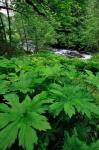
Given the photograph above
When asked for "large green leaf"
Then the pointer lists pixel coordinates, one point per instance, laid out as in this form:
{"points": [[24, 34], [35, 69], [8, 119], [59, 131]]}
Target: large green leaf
{"points": [[4, 86], [27, 137], [8, 135], [74, 143], [72, 98], [20, 119], [92, 79]]}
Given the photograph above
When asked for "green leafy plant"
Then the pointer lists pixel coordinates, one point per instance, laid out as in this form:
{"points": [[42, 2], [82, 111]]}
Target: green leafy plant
{"points": [[74, 143], [26, 81], [72, 98], [22, 120], [45, 86], [92, 79]]}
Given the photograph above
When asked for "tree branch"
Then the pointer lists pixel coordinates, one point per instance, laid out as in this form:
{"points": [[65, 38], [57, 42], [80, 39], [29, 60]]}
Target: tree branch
{"points": [[29, 2], [4, 7]]}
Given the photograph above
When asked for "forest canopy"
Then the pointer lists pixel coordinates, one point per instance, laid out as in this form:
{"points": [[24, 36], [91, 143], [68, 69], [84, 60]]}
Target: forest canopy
{"points": [[70, 24]]}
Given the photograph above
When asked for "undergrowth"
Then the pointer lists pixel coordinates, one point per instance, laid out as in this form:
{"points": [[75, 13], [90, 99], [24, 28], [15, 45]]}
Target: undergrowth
{"points": [[49, 102]]}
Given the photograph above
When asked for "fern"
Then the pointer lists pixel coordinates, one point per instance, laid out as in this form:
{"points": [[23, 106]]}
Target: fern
{"points": [[22, 120], [71, 98]]}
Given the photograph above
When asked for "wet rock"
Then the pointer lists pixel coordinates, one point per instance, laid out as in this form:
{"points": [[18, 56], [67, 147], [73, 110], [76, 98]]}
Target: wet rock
{"points": [[72, 53], [27, 46]]}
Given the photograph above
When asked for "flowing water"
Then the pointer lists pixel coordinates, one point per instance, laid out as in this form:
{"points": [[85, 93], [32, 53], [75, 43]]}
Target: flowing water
{"points": [[72, 53]]}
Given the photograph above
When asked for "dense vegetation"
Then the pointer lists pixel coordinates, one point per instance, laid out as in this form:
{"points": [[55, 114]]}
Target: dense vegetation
{"points": [[71, 24], [49, 101]]}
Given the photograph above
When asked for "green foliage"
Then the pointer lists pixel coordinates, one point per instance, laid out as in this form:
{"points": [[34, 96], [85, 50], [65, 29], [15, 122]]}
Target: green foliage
{"points": [[73, 143], [42, 33], [91, 31], [52, 93], [24, 117], [92, 79], [73, 24], [70, 99], [38, 30]]}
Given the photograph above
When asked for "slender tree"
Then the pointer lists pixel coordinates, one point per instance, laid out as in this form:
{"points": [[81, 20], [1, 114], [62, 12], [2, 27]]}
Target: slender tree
{"points": [[9, 21]]}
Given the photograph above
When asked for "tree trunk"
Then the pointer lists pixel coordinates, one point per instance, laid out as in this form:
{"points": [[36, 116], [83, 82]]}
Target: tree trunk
{"points": [[9, 22]]}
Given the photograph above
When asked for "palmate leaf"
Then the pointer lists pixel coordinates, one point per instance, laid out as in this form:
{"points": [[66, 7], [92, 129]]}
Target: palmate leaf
{"points": [[54, 70], [56, 108], [72, 99], [21, 120], [70, 109], [5, 63], [25, 82], [94, 146], [12, 99], [92, 79], [21, 63], [74, 143], [40, 122], [39, 99], [4, 86], [27, 137], [2, 76], [8, 135]]}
